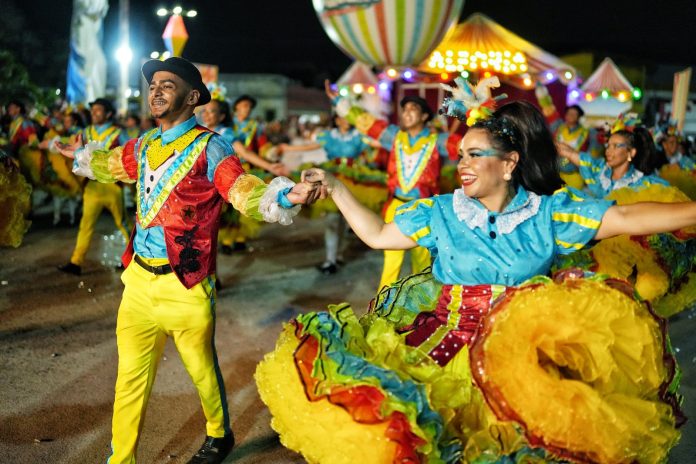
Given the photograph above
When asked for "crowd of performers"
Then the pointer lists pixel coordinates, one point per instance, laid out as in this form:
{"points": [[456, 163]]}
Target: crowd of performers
{"points": [[545, 259]]}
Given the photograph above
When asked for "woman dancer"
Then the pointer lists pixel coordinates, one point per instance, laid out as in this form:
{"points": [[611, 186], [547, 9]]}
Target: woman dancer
{"points": [[396, 386], [629, 161]]}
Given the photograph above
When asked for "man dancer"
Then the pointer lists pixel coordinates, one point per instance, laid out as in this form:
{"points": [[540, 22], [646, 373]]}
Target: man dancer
{"points": [[413, 166], [102, 133], [183, 172]]}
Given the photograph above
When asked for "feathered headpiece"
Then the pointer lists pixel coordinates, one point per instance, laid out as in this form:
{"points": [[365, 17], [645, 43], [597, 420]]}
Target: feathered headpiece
{"points": [[217, 91], [469, 103], [626, 122], [665, 130]]}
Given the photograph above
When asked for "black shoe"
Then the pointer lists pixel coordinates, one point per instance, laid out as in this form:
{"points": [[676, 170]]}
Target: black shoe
{"points": [[213, 450], [239, 246], [71, 268], [218, 285], [327, 268], [226, 249]]}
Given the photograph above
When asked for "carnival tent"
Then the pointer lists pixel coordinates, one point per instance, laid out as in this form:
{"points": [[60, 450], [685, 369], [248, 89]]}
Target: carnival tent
{"points": [[480, 45], [606, 93]]}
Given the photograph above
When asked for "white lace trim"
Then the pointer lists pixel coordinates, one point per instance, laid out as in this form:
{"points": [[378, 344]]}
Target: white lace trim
{"points": [[269, 207], [475, 215], [83, 157], [605, 180]]}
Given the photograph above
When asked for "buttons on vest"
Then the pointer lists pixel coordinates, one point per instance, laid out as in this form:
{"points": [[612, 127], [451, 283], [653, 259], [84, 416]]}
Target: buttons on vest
{"points": [[147, 190], [152, 178], [492, 234], [491, 219]]}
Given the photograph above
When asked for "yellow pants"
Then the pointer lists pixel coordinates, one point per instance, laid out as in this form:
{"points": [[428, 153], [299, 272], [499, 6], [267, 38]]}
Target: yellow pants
{"points": [[153, 308], [97, 196], [420, 257]]}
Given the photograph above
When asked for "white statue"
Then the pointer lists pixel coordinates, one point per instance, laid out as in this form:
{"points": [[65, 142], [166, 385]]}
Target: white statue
{"points": [[87, 64]]}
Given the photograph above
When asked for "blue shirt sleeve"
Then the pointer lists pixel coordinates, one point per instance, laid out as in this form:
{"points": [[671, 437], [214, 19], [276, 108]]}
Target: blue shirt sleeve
{"points": [[413, 220], [590, 167], [218, 149], [575, 218], [388, 136], [441, 144]]}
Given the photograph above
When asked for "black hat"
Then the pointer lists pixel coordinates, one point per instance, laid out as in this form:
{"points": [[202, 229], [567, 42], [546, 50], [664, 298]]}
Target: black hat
{"points": [[577, 108], [244, 97], [425, 108], [108, 106], [182, 68]]}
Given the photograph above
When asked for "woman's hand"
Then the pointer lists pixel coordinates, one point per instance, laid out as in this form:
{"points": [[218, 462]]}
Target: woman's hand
{"points": [[318, 176], [566, 151]]}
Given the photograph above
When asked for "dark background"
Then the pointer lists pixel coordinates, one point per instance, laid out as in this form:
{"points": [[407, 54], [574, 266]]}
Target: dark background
{"points": [[285, 36]]}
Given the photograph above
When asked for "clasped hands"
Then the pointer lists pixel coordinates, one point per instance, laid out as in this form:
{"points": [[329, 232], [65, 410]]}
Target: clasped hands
{"points": [[316, 184]]}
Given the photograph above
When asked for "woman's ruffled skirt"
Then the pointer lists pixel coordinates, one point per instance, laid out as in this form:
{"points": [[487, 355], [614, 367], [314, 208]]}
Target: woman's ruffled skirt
{"points": [[15, 203], [660, 266], [574, 369]]}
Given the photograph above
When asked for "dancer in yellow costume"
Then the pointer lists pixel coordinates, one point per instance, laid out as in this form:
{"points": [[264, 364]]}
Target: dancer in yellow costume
{"points": [[566, 130], [183, 173], [102, 133], [58, 177]]}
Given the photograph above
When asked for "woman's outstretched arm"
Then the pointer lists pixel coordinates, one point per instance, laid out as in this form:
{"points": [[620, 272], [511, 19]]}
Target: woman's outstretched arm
{"points": [[365, 223]]}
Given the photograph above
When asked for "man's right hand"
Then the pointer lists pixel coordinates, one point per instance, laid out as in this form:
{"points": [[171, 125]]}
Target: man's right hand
{"points": [[69, 149]]}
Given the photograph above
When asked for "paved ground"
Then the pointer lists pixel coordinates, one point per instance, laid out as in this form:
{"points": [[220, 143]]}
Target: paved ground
{"points": [[58, 350]]}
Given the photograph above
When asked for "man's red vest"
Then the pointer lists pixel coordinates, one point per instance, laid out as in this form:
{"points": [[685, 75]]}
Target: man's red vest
{"points": [[190, 219]]}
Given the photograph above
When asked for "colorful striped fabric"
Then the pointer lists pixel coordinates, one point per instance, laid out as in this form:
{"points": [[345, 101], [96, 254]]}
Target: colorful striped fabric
{"points": [[389, 32]]}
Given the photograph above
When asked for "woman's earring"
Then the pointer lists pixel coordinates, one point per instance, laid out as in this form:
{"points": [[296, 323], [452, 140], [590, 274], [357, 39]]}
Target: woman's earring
{"points": [[507, 176]]}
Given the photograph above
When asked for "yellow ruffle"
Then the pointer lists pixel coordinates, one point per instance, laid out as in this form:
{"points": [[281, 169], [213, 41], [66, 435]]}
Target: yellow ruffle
{"points": [[626, 259], [573, 179], [581, 363], [673, 303], [322, 432], [682, 179], [15, 204], [622, 257], [31, 161], [66, 183]]}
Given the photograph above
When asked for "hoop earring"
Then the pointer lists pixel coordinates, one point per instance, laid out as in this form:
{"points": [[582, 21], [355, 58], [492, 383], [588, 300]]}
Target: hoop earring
{"points": [[507, 176]]}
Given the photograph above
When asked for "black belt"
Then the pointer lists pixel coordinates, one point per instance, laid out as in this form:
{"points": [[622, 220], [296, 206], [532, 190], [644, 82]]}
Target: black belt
{"points": [[405, 200], [157, 270]]}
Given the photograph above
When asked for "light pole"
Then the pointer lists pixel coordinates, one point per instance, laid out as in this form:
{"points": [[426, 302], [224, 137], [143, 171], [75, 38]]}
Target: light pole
{"points": [[124, 55]]}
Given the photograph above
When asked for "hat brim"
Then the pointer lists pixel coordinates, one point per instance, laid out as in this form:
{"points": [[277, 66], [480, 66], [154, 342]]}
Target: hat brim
{"points": [[151, 67]]}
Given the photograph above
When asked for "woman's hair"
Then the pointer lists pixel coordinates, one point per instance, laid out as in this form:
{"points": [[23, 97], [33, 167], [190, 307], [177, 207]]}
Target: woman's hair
{"points": [[520, 127], [77, 120], [647, 158], [224, 111]]}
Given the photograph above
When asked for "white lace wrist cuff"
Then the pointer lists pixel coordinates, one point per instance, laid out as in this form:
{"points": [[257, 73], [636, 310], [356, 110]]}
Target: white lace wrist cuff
{"points": [[83, 157], [269, 207]]}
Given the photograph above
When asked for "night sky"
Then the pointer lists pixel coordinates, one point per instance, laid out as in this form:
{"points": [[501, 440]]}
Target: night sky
{"points": [[285, 36]]}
